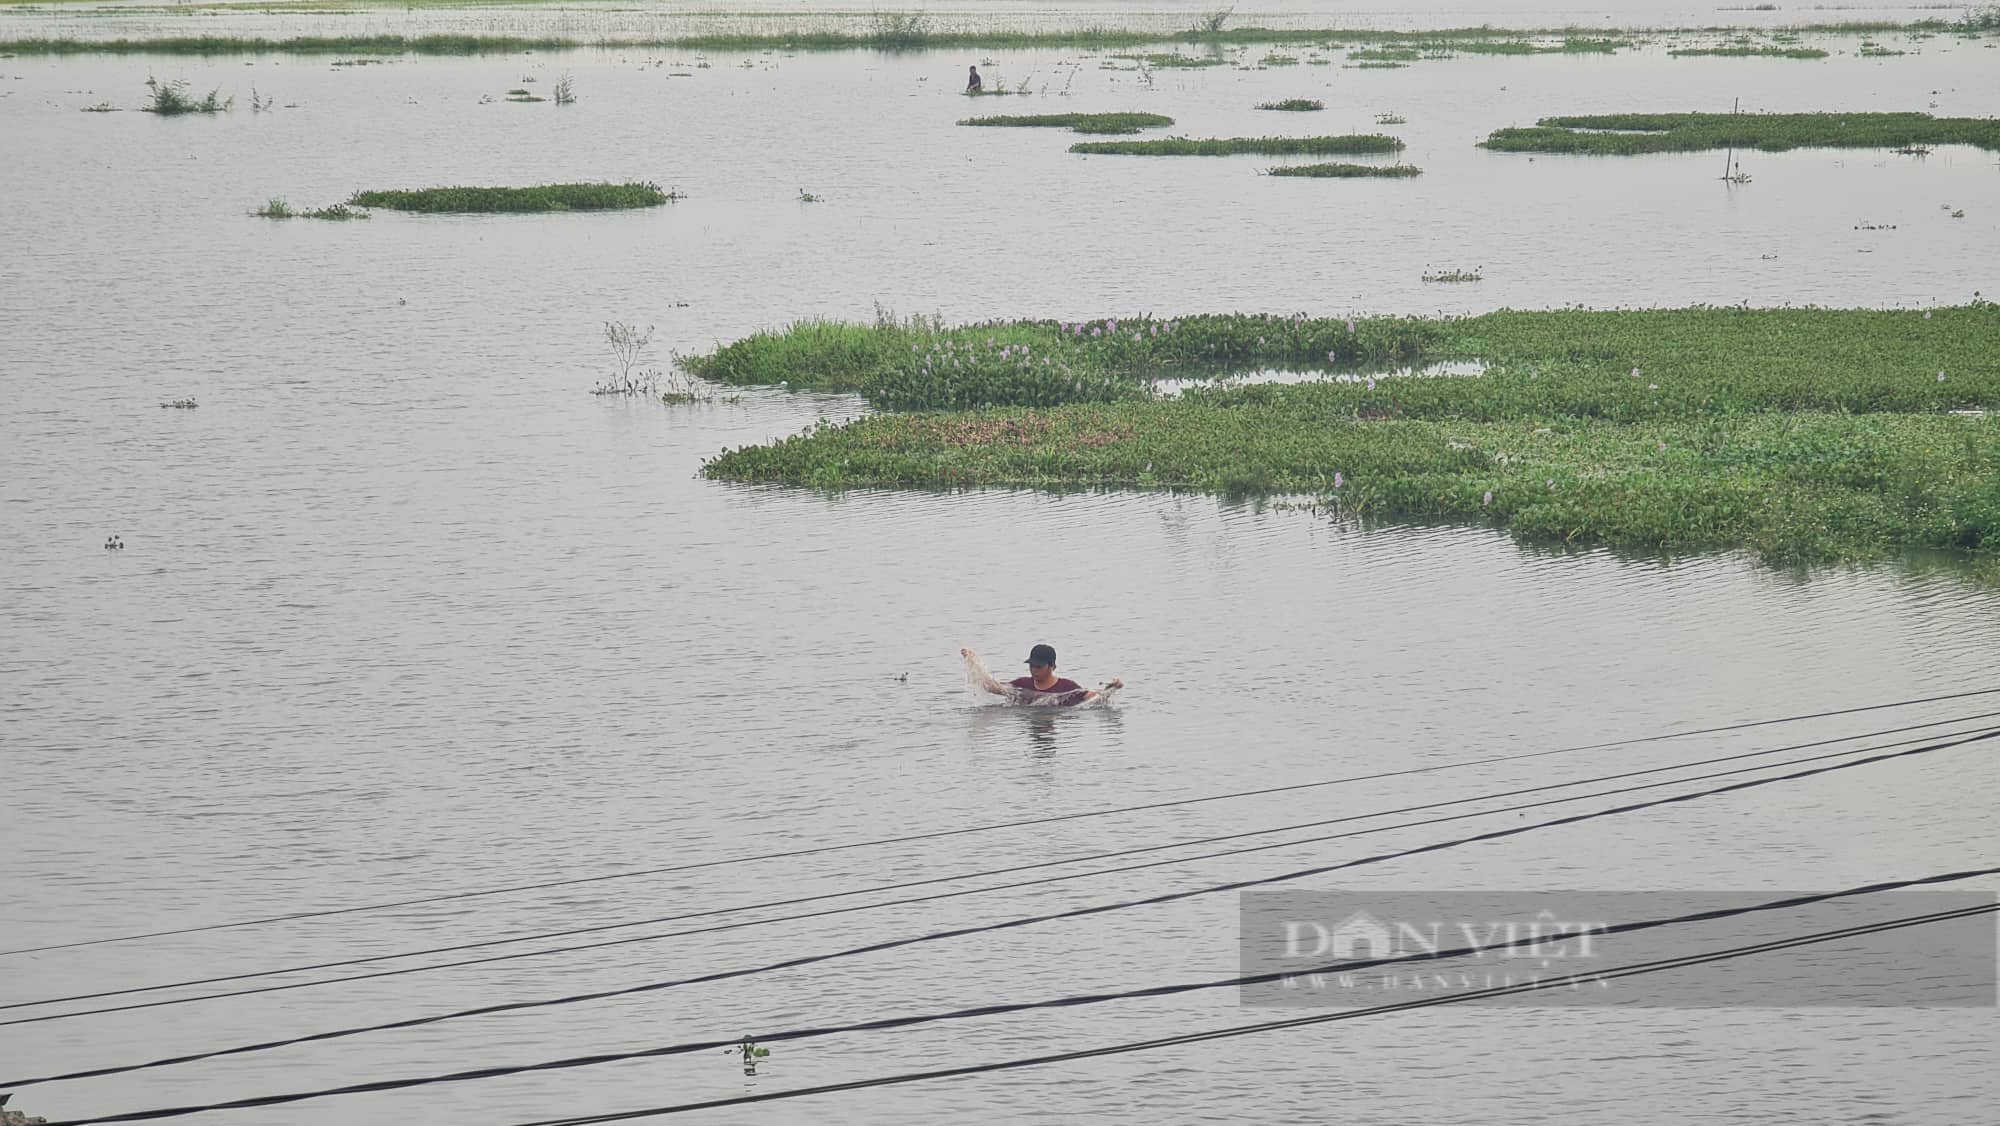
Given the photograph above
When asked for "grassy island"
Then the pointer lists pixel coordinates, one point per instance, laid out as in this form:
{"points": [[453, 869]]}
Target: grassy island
{"points": [[1800, 434], [1078, 122]]}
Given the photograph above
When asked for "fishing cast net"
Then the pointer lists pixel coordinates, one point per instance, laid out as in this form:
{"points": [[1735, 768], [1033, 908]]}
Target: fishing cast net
{"points": [[981, 679]]}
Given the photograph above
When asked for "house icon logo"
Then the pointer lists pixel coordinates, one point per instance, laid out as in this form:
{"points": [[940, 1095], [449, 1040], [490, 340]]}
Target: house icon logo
{"points": [[1362, 935]]}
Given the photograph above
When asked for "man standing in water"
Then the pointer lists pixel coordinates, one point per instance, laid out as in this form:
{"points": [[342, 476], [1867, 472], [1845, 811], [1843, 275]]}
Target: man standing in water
{"points": [[1041, 685], [972, 83]]}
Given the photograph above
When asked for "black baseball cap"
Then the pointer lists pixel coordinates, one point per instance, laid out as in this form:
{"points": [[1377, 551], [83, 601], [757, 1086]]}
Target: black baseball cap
{"points": [[1042, 655]]}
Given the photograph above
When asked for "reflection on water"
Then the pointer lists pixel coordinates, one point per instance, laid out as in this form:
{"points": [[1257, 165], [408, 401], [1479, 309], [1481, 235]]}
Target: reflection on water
{"points": [[1043, 731]]}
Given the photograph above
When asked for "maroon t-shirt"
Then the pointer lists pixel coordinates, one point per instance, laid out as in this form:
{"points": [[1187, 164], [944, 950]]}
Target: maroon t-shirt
{"points": [[1032, 695]]}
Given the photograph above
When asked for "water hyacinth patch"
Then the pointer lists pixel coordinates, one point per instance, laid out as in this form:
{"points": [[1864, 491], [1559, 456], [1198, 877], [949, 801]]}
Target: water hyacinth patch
{"points": [[1351, 144], [1794, 433], [549, 197], [1339, 171], [1626, 134]]}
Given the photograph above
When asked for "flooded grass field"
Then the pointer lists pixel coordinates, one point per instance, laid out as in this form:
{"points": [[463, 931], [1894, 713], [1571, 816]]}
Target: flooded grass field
{"points": [[388, 604]]}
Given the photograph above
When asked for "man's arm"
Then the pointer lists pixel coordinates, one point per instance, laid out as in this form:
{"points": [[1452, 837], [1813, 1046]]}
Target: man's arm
{"points": [[1110, 686]]}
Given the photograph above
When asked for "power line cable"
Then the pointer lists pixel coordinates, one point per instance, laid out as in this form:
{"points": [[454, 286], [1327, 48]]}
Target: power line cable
{"points": [[1634, 970], [962, 831], [924, 882], [935, 936], [887, 1023], [1169, 897]]}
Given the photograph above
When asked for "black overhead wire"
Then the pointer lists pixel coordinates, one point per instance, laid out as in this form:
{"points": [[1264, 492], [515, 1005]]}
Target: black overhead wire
{"points": [[941, 833], [1682, 962], [511, 1006], [1072, 1001], [876, 890], [982, 928]]}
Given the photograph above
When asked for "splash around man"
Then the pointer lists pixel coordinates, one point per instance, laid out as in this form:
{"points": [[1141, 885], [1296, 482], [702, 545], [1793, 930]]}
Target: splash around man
{"points": [[1041, 685]]}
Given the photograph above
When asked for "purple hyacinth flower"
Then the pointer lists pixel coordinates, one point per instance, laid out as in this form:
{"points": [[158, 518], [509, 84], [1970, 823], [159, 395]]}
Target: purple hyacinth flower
{"points": [[1339, 479]]}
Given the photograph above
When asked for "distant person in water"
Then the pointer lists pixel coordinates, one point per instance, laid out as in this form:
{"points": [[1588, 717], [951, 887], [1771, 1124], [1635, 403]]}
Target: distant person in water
{"points": [[972, 84], [1042, 685]]}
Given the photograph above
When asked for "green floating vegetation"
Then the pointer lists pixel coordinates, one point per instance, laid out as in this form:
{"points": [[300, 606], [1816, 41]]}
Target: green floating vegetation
{"points": [[1800, 434], [1336, 171], [1750, 52], [279, 209], [548, 197], [1624, 134], [1294, 105], [1078, 122], [1350, 144]]}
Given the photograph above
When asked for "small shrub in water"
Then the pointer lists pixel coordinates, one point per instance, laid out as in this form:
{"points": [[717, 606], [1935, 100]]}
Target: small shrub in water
{"points": [[565, 91], [276, 209], [171, 98], [1294, 105], [628, 347]]}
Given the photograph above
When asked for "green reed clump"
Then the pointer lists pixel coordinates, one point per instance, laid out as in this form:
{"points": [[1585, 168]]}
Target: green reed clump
{"points": [[548, 197], [1352, 144], [1750, 52], [1337, 171], [816, 355], [1624, 134], [169, 99], [1078, 122], [1294, 105]]}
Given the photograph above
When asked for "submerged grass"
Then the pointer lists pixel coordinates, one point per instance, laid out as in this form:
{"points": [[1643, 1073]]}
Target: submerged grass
{"points": [[1750, 52], [1078, 122], [1351, 144], [1797, 433], [1336, 171], [548, 197], [1632, 133]]}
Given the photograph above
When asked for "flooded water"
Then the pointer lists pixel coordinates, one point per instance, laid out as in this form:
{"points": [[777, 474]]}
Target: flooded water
{"points": [[405, 610]]}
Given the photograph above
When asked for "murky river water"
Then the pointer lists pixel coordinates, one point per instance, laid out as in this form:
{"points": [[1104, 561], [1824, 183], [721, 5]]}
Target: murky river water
{"points": [[404, 609]]}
